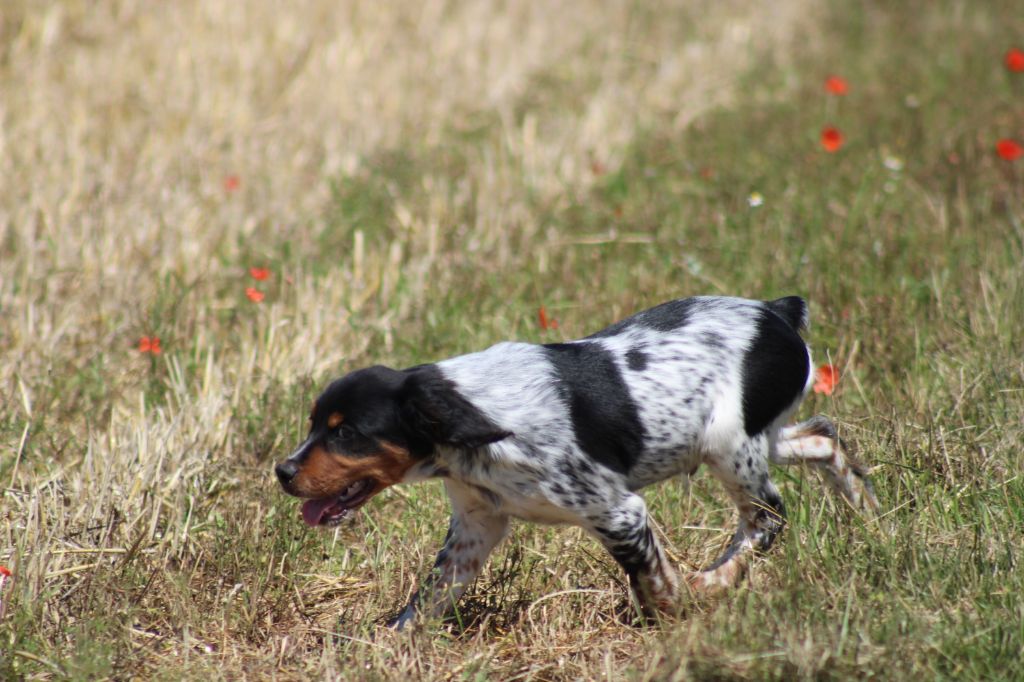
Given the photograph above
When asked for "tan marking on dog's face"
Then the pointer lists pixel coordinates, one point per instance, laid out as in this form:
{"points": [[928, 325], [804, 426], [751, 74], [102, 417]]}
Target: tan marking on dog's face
{"points": [[326, 474], [334, 421]]}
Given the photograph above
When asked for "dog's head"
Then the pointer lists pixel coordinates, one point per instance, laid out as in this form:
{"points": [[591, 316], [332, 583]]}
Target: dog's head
{"points": [[369, 428]]}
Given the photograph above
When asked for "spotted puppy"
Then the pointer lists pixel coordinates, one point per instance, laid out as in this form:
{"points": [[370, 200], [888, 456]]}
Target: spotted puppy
{"points": [[569, 432]]}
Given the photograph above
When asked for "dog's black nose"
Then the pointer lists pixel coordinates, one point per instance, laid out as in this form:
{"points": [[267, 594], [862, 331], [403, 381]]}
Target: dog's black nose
{"points": [[286, 471]]}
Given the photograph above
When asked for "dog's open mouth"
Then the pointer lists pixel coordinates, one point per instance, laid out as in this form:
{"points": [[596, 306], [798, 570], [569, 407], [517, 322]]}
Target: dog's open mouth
{"points": [[330, 511]]}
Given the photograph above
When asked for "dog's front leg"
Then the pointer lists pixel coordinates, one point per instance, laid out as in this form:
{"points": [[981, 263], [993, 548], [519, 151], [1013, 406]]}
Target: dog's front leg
{"points": [[476, 527]]}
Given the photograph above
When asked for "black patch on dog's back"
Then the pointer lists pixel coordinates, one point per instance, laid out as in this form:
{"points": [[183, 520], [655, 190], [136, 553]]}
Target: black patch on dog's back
{"points": [[605, 419], [663, 318], [775, 371]]}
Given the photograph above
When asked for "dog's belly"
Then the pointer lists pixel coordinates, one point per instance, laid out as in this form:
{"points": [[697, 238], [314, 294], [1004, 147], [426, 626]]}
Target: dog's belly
{"points": [[520, 497], [539, 510], [659, 465]]}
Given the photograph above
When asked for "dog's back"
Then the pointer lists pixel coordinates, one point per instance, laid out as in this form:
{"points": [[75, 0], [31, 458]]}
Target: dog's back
{"points": [[649, 396]]}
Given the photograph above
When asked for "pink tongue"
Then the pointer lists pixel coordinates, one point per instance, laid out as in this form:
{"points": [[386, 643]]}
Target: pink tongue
{"points": [[313, 510]]}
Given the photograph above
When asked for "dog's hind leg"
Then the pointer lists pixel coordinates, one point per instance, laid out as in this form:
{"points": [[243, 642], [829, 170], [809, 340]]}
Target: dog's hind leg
{"points": [[623, 528], [474, 530], [761, 513], [816, 443]]}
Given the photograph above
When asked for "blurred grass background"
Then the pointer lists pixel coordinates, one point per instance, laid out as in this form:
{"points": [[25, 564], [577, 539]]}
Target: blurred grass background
{"points": [[419, 179]]}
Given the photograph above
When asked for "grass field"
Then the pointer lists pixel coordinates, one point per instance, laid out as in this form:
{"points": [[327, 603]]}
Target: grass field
{"points": [[419, 178]]}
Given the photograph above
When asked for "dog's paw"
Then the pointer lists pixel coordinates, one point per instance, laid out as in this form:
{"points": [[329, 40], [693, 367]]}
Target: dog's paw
{"points": [[863, 492], [715, 581], [403, 620]]}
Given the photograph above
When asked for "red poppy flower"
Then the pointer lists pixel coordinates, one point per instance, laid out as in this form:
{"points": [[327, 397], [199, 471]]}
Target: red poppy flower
{"points": [[255, 295], [545, 321], [259, 274], [836, 85], [1011, 150], [150, 344], [232, 183], [831, 139], [1015, 59], [826, 378], [4, 571]]}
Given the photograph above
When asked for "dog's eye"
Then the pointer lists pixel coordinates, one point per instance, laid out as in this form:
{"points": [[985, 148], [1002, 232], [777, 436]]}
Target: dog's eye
{"points": [[346, 431]]}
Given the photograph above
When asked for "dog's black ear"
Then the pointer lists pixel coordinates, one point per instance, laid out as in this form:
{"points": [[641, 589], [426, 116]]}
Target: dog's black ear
{"points": [[434, 411]]}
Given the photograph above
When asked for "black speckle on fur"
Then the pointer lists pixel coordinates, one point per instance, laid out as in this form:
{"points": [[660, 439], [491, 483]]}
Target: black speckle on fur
{"points": [[605, 420], [775, 370], [713, 340], [636, 359], [488, 495], [630, 549]]}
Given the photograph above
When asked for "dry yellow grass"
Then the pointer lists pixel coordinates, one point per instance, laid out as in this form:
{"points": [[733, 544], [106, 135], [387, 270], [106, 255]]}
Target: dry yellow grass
{"points": [[120, 122], [146, 533]]}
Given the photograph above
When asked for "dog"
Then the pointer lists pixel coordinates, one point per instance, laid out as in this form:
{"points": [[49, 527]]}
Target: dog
{"points": [[568, 433]]}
